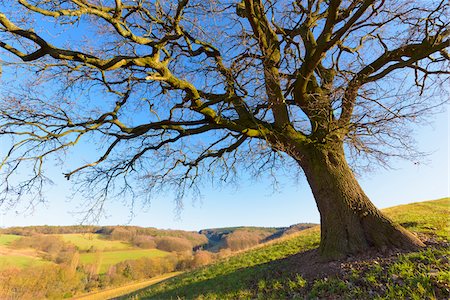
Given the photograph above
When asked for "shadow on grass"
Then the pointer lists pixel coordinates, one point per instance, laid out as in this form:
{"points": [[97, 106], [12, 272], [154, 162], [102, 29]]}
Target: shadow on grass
{"points": [[238, 281], [233, 282]]}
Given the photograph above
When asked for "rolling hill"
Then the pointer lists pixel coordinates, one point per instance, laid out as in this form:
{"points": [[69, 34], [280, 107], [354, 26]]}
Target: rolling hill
{"points": [[289, 268]]}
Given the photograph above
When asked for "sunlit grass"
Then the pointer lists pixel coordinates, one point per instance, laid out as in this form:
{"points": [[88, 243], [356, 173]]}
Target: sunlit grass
{"points": [[428, 217], [109, 258], [89, 240], [6, 239], [20, 261], [236, 272]]}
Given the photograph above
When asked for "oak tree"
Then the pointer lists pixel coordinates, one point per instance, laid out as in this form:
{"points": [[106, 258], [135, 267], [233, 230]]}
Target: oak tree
{"points": [[172, 90]]}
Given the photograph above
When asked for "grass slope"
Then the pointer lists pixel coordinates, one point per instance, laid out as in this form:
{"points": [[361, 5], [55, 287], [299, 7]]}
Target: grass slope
{"points": [[125, 289], [428, 217], [106, 259], [273, 271], [87, 240], [17, 258], [6, 239], [20, 261]]}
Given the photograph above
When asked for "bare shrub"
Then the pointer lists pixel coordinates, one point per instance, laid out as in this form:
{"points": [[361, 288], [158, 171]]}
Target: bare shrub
{"points": [[144, 241], [202, 258], [173, 244], [243, 239]]}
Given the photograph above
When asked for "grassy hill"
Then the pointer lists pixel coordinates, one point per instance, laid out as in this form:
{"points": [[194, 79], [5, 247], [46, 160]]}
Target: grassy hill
{"points": [[85, 241], [289, 267], [109, 258], [242, 237], [6, 239], [105, 252], [17, 258]]}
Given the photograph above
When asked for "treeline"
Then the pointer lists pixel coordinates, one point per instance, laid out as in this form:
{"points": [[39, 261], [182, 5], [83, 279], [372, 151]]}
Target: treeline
{"points": [[45, 229], [116, 232]]}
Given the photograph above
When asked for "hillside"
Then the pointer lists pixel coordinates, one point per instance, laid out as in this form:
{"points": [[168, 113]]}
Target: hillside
{"points": [[289, 267], [243, 237], [107, 259]]}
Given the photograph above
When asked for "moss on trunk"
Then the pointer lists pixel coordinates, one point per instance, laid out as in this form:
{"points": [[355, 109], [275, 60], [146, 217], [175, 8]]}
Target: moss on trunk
{"points": [[350, 223]]}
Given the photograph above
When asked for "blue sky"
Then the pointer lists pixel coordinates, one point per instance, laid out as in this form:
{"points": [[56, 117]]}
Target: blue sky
{"points": [[255, 203]]}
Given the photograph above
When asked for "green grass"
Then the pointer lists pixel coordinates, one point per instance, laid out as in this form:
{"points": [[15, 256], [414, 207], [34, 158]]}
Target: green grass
{"points": [[6, 239], [125, 289], [106, 259], [263, 273], [230, 277], [88, 240], [428, 217], [11, 258], [20, 261]]}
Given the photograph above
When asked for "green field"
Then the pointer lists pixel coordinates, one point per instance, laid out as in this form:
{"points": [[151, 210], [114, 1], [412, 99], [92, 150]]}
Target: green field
{"points": [[6, 239], [428, 217], [20, 261], [88, 240], [269, 272], [16, 258], [106, 259]]}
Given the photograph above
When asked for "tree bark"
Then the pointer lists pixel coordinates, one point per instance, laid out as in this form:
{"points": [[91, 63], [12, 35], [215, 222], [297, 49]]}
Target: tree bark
{"points": [[350, 223]]}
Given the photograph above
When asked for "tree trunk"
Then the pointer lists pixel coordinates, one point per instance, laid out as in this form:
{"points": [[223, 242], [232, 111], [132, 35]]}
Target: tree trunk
{"points": [[350, 223]]}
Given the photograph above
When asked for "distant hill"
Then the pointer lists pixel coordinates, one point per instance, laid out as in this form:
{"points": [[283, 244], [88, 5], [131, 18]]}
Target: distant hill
{"points": [[213, 239], [221, 238], [289, 268], [97, 259]]}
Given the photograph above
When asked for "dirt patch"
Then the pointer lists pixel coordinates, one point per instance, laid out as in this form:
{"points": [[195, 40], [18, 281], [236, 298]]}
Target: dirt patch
{"points": [[310, 265]]}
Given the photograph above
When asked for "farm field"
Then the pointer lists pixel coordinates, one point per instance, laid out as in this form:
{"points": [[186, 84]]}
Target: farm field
{"points": [[6, 239], [18, 258], [20, 261], [85, 241], [109, 258]]}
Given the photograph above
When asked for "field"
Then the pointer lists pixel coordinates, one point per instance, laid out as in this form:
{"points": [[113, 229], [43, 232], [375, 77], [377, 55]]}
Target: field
{"points": [[106, 253], [20, 261], [6, 239], [17, 258], [278, 271], [88, 240], [429, 217], [106, 259]]}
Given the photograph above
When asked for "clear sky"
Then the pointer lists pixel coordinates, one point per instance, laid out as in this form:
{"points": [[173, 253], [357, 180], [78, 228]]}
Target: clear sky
{"points": [[255, 203]]}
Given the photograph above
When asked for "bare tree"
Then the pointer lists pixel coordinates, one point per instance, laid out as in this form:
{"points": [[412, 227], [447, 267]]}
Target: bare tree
{"points": [[171, 90]]}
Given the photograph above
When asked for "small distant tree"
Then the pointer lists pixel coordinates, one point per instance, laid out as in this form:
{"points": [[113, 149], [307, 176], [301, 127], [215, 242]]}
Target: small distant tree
{"points": [[171, 90]]}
